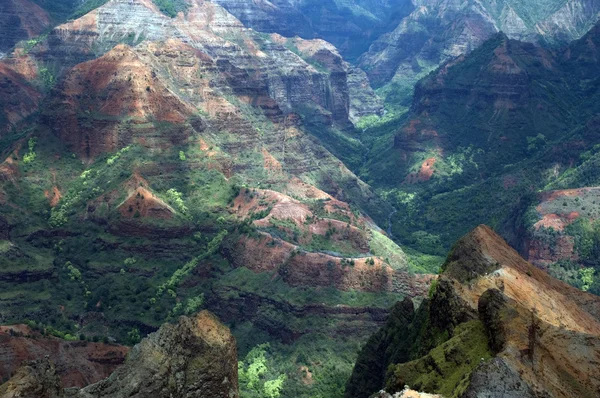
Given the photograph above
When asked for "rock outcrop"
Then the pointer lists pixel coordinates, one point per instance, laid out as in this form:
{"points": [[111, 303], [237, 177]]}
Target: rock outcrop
{"points": [[513, 330], [251, 64], [35, 379], [196, 357], [351, 26]]}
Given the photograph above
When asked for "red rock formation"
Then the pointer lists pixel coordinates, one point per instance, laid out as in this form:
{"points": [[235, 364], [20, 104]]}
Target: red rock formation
{"points": [[78, 363]]}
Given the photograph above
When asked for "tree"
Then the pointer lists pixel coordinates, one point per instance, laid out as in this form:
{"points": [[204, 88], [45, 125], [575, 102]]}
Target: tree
{"points": [[253, 375]]}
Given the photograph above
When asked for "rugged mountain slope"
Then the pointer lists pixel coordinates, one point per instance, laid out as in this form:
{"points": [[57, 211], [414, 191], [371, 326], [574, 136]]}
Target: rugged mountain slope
{"points": [[492, 316], [486, 131], [20, 20], [437, 31]]}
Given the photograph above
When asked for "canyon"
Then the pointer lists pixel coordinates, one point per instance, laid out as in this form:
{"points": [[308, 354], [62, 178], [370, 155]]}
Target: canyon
{"points": [[300, 169]]}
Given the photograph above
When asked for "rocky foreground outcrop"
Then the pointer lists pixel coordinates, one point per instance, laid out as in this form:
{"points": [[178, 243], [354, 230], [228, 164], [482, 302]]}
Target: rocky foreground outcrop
{"points": [[196, 357], [494, 325]]}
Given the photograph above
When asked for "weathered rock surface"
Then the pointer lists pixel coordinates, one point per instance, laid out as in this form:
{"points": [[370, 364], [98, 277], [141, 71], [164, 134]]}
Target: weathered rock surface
{"points": [[196, 357], [35, 379], [543, 335], [351, 26], [19, 98], [249, 62]]}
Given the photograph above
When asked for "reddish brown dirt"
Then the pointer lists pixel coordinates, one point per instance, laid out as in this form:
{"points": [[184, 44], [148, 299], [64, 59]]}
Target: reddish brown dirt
{"points": [[262, 254], [424, 174], [143, 203], [299, 189], [270, 163], [315, 269], [8, 169], [116, 88], [78, 363], [53, 196]]}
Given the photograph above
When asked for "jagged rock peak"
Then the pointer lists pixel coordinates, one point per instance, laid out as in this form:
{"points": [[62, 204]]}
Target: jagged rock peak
{"points": [[479, 253], [196, 357]]}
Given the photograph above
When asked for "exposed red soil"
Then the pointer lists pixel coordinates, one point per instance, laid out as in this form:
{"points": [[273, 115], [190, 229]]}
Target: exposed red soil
{"points": [[125, 86], [424, 174], [8, 169], [555, 221], [542, 253], [299, 189], [143, 203], [316, 269], [270, 163], [53, 196], [78, 363], [116, 88], [262, 254]]}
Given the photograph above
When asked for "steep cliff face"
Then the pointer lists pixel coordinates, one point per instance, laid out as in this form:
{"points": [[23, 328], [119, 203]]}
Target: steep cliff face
{"points": [[492, 316], [351, 26], [20, 95], [437, 31], [491, 128], [250, 62]]}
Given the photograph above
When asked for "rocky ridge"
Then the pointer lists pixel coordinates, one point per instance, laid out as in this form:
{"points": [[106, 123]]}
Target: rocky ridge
{"points": [[410, 52], [538, 334]]}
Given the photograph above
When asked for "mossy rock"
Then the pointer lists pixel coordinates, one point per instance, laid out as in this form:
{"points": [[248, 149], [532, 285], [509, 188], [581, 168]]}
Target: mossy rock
{"points": [[447, 368]]}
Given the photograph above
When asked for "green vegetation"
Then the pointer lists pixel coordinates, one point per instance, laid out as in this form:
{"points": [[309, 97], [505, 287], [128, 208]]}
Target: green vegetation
{"points": [[171, 7], [175, 198], [182, 272], [253, 372], [31, 43], [30, 155]]}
